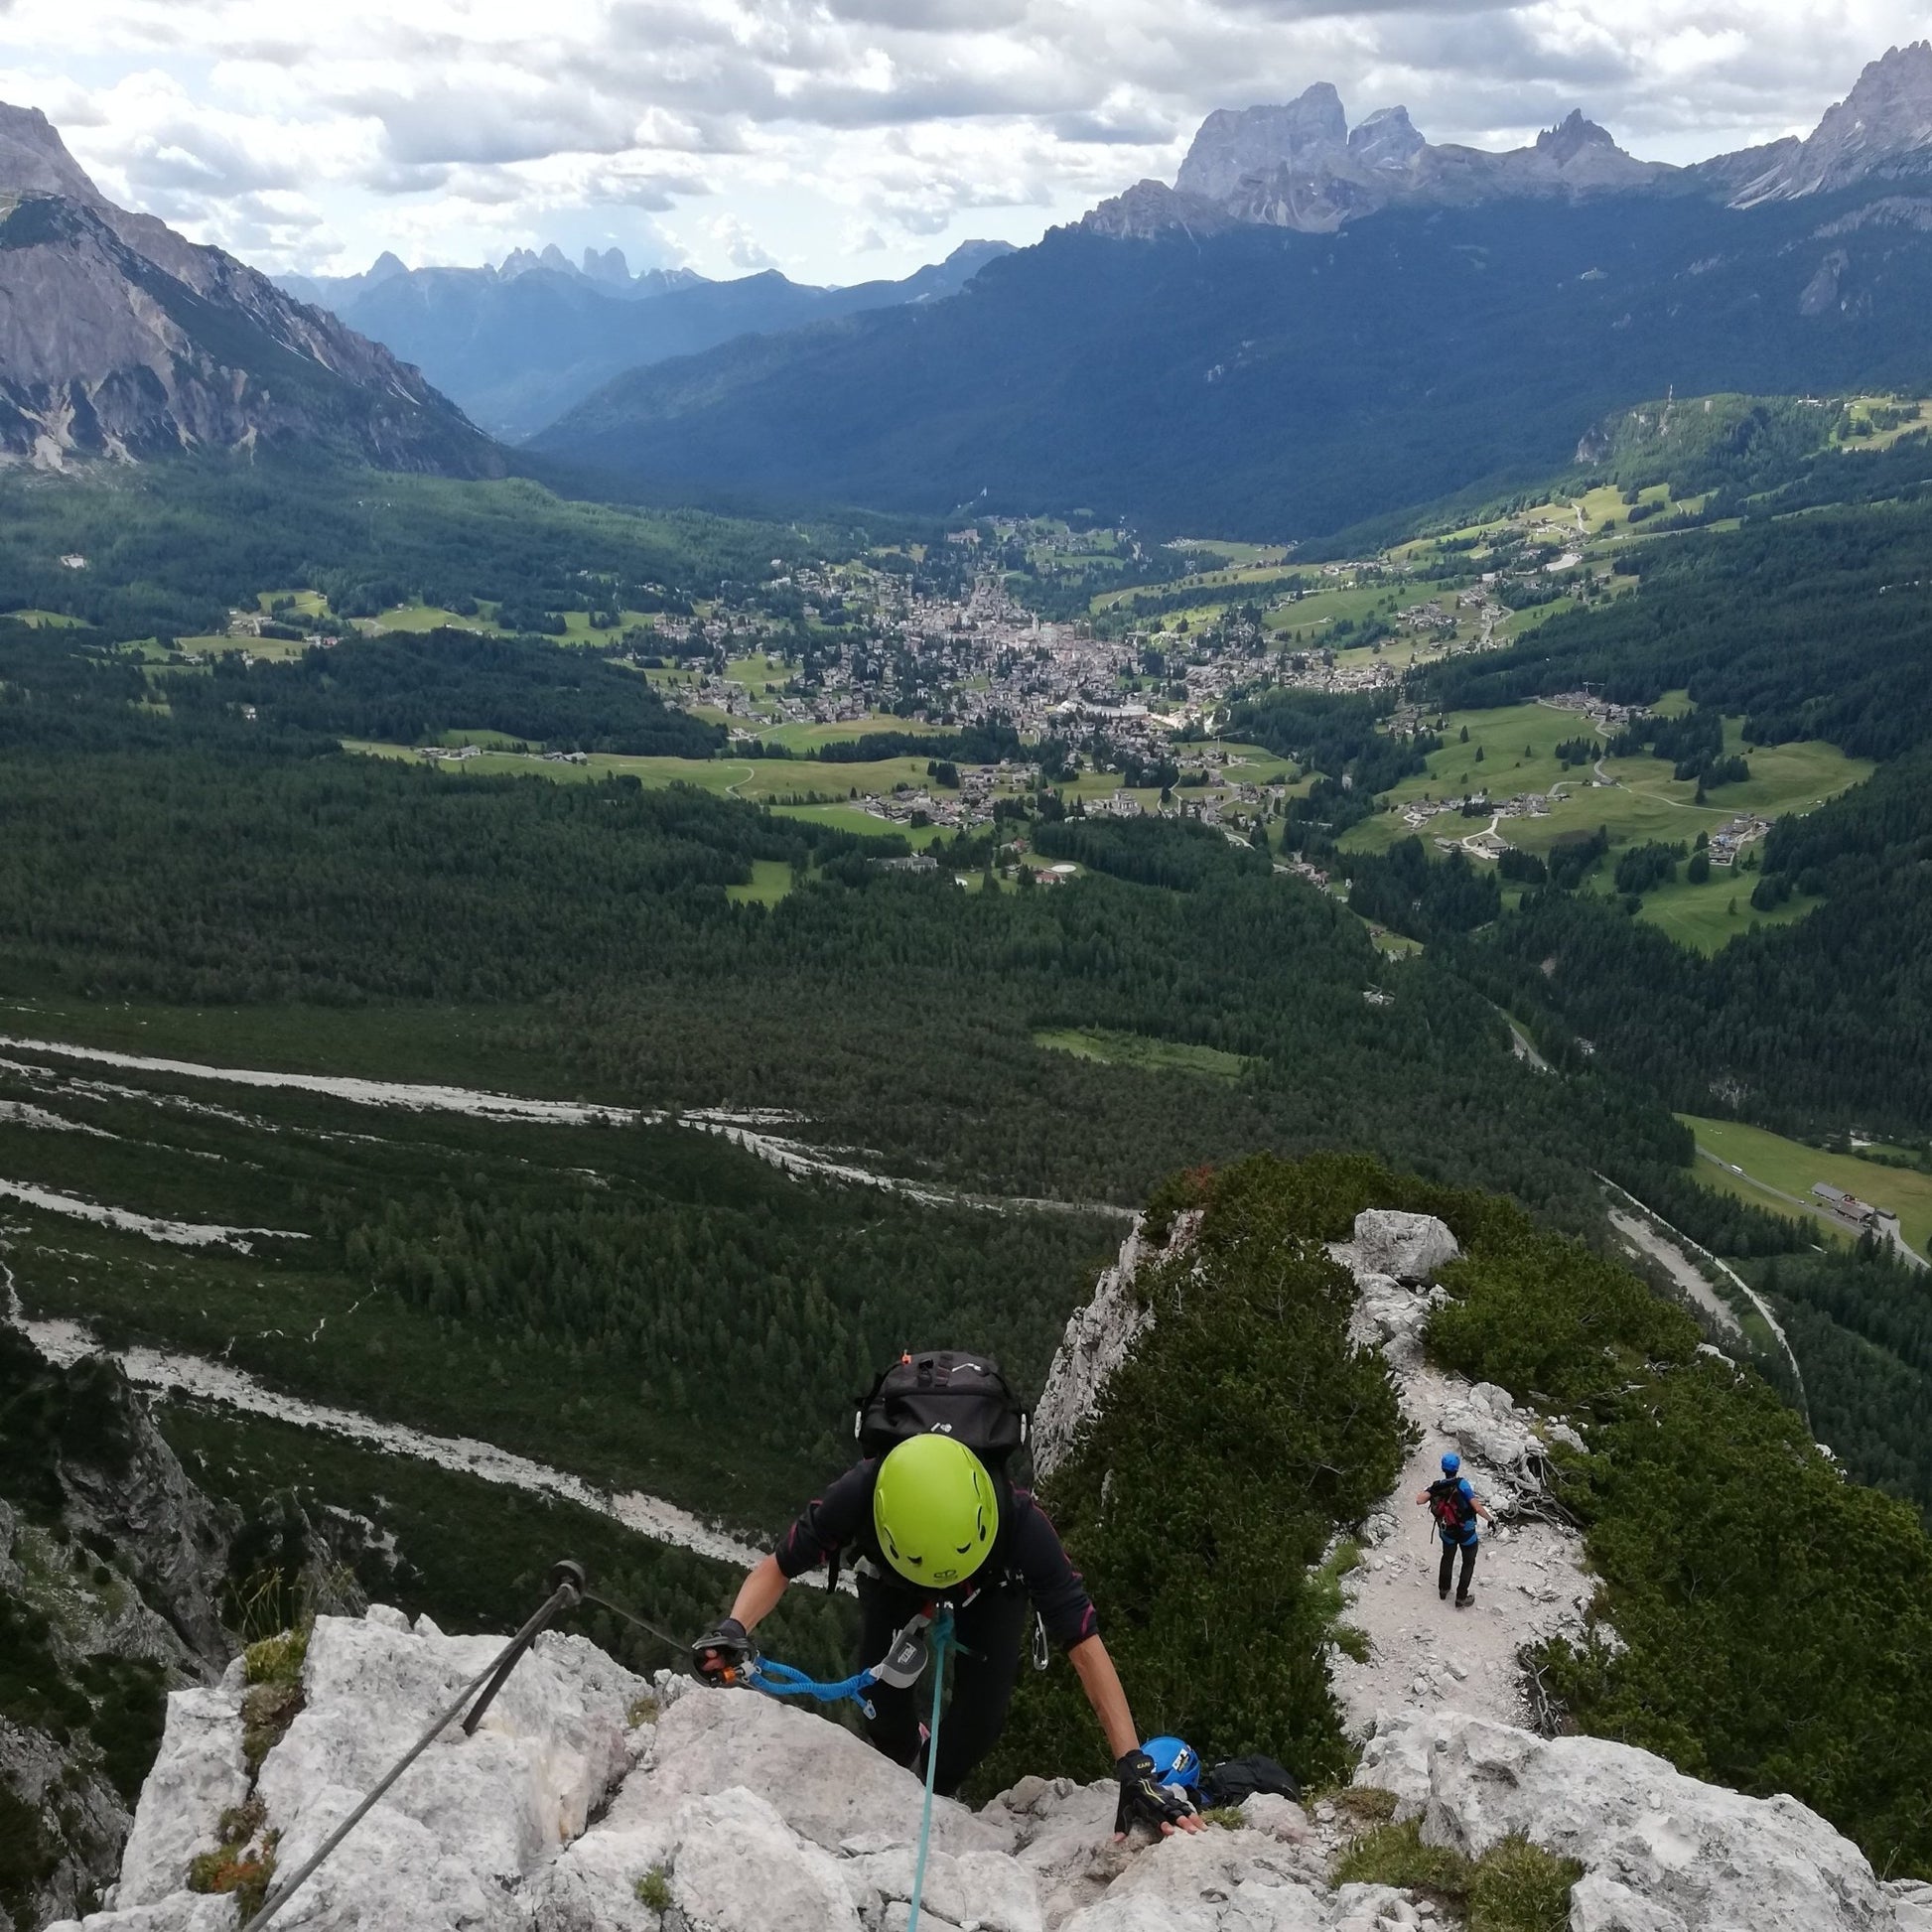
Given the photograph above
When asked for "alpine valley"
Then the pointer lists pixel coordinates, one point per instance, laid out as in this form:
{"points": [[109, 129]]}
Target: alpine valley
{"points": [[1302, 810]]}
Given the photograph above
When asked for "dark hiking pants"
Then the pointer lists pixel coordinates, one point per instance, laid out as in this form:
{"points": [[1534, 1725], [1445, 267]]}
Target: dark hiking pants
{"points": [[1449, 1565], [984, 1662]]}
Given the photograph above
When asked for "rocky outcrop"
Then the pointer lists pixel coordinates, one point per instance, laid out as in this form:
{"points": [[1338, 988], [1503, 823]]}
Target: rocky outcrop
{"points": [[122, 339], [110, 1567], [588, 1801], [1881, 130], [1662, 1853], [1410, 1248], [1152, 207], [591, 1802], [1097, 1340]]}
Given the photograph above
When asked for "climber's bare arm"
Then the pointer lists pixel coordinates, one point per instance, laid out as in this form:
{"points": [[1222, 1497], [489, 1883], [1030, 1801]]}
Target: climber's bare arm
{"points": [[758, 1593], [1101, 1681]]}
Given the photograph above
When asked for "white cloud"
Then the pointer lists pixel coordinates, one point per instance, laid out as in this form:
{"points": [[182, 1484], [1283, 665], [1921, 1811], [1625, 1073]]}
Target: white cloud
{"points": [[844, 137]]}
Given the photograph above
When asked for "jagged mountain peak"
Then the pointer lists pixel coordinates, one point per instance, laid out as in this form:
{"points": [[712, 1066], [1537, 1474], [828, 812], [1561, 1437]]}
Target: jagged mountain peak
{"points": [[1881, 130], [34, 160], [1235, 144], [1299, 166], [1387, 139], [609, 266], [1572, 135]]}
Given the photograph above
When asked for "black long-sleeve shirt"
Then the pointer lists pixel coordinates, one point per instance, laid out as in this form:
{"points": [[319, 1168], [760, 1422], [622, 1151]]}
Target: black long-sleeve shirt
{"points": [[1026, 1548]]}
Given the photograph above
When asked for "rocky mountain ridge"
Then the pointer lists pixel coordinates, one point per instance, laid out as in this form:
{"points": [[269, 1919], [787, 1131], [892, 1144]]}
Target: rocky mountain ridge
{"points": [[590, 1799], [1301, 166], [518, 345], [122, 339]]}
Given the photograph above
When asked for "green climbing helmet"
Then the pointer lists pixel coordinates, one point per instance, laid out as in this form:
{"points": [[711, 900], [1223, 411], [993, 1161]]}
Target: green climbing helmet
{"points": [[936, 1510]]}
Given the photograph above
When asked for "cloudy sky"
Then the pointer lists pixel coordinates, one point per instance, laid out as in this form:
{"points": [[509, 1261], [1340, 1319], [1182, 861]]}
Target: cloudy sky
{"points": [[836, 139]]}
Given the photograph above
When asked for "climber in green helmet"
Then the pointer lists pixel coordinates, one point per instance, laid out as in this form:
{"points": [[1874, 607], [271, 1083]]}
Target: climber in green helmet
{"points": [[929, 1523]]}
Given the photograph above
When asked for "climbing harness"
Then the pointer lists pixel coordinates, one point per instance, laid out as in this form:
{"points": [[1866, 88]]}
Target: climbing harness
{"points": [[901, 1667], [567, 1581]]}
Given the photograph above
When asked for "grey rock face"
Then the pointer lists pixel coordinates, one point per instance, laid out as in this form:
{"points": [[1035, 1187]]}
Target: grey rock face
{"points": [[1662, 1853], [1097, 1343], [1299, 166], [122, 339], [1412, 1248], [1234, 146], [103, 1473], [1881, 128], [34, 160], [752, 1815], [1387, 140]]}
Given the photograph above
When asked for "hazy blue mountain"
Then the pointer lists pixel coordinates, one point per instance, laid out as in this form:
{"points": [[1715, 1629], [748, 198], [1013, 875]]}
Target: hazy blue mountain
{"points": [[519, 345], [1218, 356], [120, 339]]}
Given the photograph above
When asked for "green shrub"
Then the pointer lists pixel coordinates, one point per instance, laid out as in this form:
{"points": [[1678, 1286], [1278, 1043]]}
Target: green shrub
{"points": [[278, 1659], [654, 1889], [238, 1865], [1394, 1854], [1519, 1887], [1543, 1315], [1221, 1464], [1513, 1887]]}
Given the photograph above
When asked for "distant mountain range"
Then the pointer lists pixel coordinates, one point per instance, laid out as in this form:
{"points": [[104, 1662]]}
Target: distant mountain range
{"points": [[1303, 167], [1317, 324], [119, 338], [519, 345]]}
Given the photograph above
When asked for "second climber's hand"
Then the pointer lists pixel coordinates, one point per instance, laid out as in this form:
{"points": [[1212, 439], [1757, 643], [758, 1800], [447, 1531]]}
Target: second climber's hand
{"points": [[1145, 1800], [723, 1651]]}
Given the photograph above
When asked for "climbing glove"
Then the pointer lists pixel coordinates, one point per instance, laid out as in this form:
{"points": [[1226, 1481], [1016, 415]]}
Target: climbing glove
{"points": [[1144, 1799], [731, 1647]]}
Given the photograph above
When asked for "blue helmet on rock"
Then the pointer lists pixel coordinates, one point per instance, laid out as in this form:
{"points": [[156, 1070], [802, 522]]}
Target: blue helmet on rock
{"points": [[1174, 1761], [1450, 1463]]}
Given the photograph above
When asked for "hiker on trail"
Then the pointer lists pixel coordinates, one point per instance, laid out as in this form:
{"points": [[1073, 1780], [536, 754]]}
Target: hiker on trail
{"points": [[1453, 1505], [930, 1521]]}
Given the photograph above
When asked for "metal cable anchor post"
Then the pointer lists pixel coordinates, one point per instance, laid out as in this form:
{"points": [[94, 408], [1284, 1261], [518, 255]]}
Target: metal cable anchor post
{"points": [[567, 1592]]}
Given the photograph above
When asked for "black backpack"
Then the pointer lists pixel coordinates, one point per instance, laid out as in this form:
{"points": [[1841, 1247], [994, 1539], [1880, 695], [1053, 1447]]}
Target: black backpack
{"points": [[947, 1393], [1242, 1777], [1450, 1508]]}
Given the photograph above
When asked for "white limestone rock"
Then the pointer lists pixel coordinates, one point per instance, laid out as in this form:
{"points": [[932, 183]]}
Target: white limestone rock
{"points": [[1599, 1905], [183, 1912], [736, 1866], [1398, 1755], [984, 1888], [1219, 1881], [1413, 1248], [1714, 1858], [1911, 1902], [1389, 1314], [198, 1775], [827, 1785], [758, 1817], [475, 1814]]}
